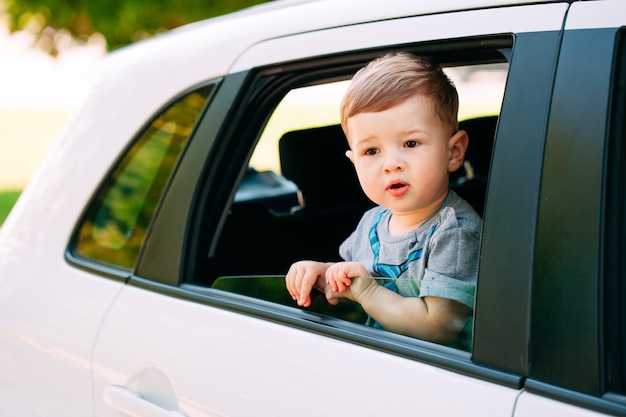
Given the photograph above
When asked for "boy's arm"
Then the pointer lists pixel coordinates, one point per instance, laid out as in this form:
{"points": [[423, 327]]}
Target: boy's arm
{"points": [[430, 318]]}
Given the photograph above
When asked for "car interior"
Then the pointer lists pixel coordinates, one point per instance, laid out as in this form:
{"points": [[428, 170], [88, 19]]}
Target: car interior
{"points": [[312, 218]]}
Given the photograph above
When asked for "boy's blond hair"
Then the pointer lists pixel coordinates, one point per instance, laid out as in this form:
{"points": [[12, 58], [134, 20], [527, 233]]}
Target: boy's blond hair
{"points": [[391, 79]]}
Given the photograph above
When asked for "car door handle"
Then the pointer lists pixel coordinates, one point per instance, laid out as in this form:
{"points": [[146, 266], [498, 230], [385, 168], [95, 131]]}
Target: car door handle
{"points": [[130, 403]]}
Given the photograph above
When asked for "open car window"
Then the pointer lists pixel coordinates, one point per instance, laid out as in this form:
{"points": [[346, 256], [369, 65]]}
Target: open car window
{"points": [[298, 196]]}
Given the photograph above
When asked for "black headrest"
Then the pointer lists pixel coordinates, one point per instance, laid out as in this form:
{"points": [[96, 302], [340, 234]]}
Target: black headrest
{"points": [[481, 132], [315, 159]]}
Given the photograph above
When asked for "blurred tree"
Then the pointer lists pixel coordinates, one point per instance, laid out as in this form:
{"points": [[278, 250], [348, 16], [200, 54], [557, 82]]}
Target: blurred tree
{"points": [[58, 23]]}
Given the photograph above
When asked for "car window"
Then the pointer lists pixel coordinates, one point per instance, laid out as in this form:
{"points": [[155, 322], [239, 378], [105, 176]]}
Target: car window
{"points": [[290, 206], [116, 223]]}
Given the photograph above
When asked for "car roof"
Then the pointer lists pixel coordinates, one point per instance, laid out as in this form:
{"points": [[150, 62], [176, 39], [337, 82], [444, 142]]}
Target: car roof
{"points": [[208, 48]]}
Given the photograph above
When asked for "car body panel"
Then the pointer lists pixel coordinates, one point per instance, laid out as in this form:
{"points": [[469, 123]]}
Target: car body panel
{"points": [[270, 369], [430, 27], [595, 15], [39, 359]]}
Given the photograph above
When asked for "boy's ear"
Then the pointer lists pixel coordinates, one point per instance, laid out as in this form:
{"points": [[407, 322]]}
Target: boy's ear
{"points": [[350, 155], [457, 146]]}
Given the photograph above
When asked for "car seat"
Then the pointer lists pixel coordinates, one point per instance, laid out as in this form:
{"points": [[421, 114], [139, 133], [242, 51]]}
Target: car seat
{"points": [[273, 236], [315, 160], [331, 200], [470, 181]]}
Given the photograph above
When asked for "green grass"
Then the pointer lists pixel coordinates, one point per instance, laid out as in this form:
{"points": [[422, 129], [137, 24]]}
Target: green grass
{"points": [[7, 200]]}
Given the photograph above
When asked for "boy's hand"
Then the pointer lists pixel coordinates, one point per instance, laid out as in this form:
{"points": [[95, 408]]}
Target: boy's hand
{"points": [[301, 279], [339, 276], [342, 277], [358, 287]]}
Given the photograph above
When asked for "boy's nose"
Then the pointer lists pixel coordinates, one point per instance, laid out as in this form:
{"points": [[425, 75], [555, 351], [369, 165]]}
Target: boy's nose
{"points": [[393, 162]]}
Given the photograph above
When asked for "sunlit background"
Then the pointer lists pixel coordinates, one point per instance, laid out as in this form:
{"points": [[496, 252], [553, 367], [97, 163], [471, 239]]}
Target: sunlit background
{"points": [[44, 72], [37, 94]]}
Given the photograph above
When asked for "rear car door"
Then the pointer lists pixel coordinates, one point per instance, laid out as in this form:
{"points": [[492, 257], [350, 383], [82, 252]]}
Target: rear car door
{"points": [[172, 342]]}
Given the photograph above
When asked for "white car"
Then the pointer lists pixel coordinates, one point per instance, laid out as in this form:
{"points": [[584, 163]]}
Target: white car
{"points": [[142, 270]]}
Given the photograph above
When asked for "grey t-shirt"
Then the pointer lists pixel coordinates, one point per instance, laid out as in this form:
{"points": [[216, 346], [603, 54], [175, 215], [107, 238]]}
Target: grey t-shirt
{"points": [[439, 258]]}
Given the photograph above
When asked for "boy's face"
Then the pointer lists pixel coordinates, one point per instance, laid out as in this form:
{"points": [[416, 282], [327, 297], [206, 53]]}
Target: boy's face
{"points": [[403, 155]]}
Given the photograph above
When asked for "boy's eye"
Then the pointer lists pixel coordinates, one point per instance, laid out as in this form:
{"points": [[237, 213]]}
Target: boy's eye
{"points": [[371, 151], [412, 144]]}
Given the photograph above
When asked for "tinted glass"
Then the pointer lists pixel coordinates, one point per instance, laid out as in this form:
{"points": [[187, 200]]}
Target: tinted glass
{"points": [[116, 224]]}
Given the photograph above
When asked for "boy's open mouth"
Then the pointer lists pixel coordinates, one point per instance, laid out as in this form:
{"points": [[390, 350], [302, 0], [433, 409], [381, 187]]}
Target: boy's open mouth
{"points": [[397, 189], [396, 185]]}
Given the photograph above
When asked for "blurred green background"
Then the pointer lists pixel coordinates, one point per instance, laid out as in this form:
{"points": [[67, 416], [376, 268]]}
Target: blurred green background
{"points": [[48, 47], [7, 199], [120, 22]]}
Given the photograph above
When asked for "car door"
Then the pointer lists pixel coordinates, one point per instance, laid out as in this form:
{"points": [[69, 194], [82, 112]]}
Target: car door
{"points": [[578, 290], [171, 343]]}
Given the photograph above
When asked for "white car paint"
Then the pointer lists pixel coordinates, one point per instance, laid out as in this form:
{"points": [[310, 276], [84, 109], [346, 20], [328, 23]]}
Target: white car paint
{"points": [[243, 365], [397, 32]]}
